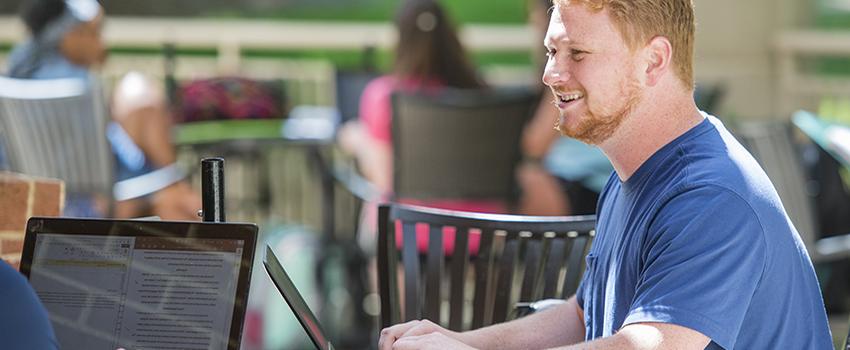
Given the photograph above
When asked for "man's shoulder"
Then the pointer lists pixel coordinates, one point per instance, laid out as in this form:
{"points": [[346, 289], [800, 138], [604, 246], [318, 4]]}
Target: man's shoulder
{"points": [[716, 161]]}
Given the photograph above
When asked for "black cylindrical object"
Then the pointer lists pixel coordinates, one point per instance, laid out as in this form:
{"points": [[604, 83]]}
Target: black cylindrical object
{"points": [[212, 189]]}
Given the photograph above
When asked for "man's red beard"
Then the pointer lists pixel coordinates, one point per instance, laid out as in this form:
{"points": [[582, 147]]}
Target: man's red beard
{"points": [[593, 129]]}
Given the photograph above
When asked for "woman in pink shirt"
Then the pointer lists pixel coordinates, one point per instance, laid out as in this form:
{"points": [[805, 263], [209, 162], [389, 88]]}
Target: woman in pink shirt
{"points": [[428, 57]]}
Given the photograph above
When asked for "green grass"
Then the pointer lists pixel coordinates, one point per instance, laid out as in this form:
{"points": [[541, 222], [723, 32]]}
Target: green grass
{"points": [[826, 17], [830, 19], [833, 21], [835, 66], [461, 11]]}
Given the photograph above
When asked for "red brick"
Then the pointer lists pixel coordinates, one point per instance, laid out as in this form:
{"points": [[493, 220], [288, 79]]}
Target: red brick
{"points": [[12, 245], [47, 197], [14, 195], [23, 196]]}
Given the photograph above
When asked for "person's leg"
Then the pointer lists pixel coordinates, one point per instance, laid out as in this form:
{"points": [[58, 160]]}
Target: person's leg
{"points": [[141, 110], [139, 106]]}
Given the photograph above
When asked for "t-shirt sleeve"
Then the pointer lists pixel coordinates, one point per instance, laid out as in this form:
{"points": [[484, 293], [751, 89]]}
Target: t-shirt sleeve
{"points": [[376, 109], [24, 323], [701, 262]]}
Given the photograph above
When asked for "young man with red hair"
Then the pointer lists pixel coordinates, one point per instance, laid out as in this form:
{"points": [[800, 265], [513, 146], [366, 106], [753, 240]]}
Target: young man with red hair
{"points": [[693, 249]]}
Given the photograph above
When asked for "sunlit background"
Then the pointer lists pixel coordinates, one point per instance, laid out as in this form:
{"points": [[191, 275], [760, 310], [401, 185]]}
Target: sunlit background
{"points": [[757, 59]]}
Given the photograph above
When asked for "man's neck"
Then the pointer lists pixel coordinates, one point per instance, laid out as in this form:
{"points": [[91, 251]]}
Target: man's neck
{"points": [[658, 120]]}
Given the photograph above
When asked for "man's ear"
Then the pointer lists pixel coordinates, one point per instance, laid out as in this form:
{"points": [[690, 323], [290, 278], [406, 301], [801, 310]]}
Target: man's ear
{"points": [[659, 56]]}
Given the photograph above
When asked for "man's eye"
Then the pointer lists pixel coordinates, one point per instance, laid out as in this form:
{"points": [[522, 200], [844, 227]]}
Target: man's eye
{"points": [[577, 55], [550, 53]]}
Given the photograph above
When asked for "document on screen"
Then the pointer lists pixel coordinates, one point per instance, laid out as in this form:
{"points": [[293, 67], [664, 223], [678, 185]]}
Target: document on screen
{"points": [[108, 292]]}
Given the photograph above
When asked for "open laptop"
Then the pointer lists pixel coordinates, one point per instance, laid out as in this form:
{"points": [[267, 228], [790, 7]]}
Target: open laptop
{"points": [[135, 284], [302, 312]]}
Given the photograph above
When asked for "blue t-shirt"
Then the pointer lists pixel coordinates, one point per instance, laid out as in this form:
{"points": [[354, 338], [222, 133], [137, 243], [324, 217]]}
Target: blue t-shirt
{"points": [[697, 237], [23, 320]]}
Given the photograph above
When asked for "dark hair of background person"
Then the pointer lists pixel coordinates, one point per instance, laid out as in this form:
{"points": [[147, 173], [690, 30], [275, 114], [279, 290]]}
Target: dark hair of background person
{"points": [[428, 46], [544, 4], [38, 13]]}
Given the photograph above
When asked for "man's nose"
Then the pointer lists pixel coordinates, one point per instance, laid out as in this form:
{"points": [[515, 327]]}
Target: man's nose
{"points": [[555, 73]]}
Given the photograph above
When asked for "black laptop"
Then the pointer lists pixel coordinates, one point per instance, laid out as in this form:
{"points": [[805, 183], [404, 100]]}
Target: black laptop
{"points": [[135, 284], [296, 302]]}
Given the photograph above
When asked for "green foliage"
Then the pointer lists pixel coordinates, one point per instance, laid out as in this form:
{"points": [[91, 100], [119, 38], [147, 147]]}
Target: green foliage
{"points": [[830, 16], [462, 11]]}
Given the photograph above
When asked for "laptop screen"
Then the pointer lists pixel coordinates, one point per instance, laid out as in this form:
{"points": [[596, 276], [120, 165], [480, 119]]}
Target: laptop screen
{"points": [[110, 284], [302, 312]]}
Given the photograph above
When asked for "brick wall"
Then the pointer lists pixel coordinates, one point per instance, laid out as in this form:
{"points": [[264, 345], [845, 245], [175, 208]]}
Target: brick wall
{"points": [[20, 198]]}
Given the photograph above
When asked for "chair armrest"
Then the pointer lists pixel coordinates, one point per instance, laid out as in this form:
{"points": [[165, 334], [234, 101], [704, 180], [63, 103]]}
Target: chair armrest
{"points": [[833, 248], [148, 183]]}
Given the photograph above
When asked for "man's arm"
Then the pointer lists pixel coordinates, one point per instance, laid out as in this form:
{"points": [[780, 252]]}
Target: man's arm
{"points": [[559, 326], [646, 336]]}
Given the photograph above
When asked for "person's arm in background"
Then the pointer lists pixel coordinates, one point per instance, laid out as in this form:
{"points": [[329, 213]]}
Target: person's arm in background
{"points": [[539, 133], [542, 194], [369, 139], [141, 110], [558, 326], [374, 158]]}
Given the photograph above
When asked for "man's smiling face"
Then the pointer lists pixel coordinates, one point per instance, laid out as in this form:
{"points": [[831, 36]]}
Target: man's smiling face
{"points": [[591, 71]]}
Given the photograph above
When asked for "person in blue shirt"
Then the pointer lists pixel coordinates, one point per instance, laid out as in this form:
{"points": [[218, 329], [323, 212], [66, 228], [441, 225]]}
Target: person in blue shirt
{"points": [[23, 322], [693, 248], [65, 42]]}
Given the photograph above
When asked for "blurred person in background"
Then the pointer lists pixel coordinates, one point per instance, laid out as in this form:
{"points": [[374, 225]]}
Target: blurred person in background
{"points": [[65, 42], [559, 175], [428, 57]]}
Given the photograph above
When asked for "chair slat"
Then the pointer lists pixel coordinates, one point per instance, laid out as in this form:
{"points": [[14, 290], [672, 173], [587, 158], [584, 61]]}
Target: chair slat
{"points": [[575, 265], [434, 274], [536, 253], [507, 266], [387, 267], [540, 267], [460, 261], [532, 256], [553, 276], [410, 259], [483, 280]]}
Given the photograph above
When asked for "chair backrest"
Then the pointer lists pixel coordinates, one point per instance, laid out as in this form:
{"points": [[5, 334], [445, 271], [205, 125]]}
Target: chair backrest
{"points": [[519, 259], [349, 87], [458, 143], [770, 143], [56, 128]]}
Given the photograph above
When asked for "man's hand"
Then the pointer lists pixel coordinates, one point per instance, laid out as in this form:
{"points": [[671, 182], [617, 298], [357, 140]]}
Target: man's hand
{"points": [[430, 341], [421, 333]]}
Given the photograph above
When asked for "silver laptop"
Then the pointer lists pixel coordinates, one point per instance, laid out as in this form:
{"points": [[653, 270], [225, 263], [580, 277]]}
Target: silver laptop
{"points": [[133, 284]]}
